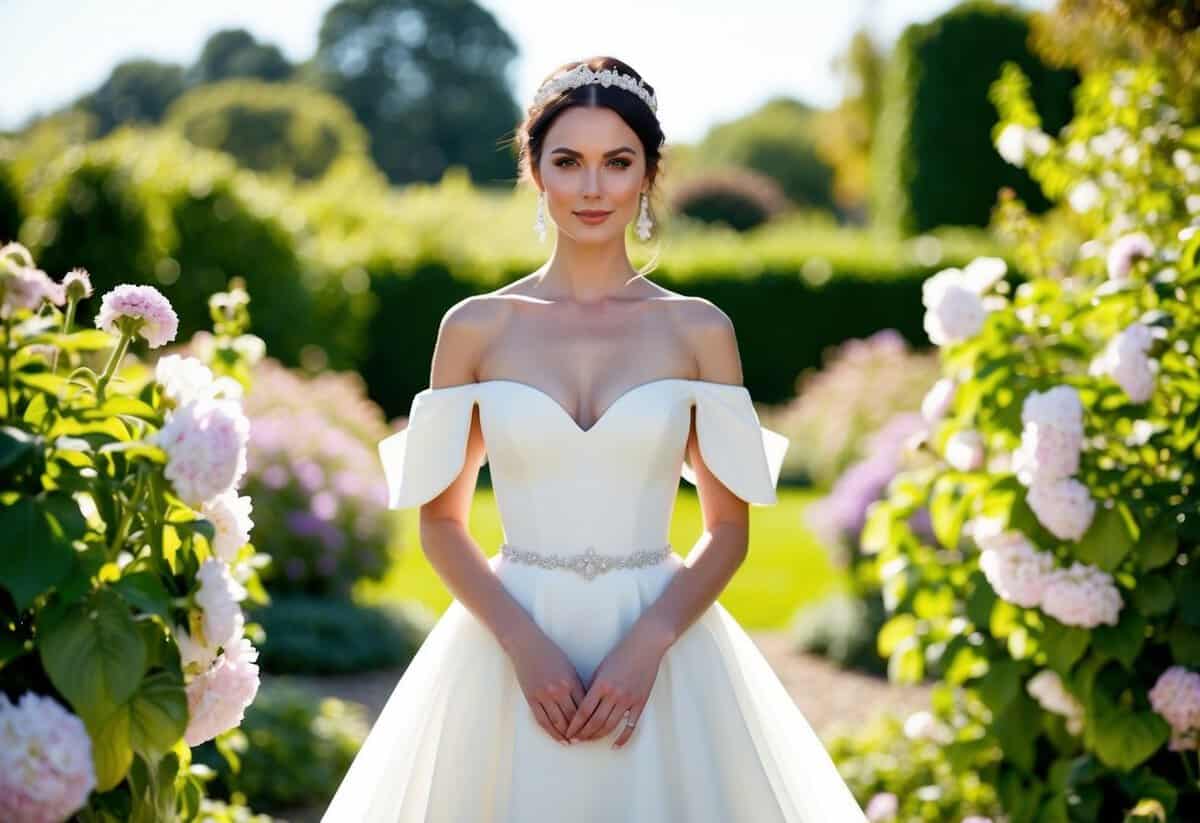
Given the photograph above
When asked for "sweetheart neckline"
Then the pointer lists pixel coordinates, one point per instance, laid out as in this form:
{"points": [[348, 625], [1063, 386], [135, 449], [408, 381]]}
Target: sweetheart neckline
{"points": [[562, 410]]}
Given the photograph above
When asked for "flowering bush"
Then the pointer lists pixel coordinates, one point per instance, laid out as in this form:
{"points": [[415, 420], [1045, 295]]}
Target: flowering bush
{"points": [[1060, 598], [125, 553], [322, 501]]}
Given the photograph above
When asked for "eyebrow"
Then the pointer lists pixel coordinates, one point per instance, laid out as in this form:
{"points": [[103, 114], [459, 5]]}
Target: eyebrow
{"points": [[573, 153]]}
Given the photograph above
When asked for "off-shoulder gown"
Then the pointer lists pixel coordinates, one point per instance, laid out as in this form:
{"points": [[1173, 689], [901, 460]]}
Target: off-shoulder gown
{"points": [[719, 740]]}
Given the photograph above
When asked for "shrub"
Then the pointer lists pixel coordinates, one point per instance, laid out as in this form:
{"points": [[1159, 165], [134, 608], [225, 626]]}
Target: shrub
{"points": [[313, 466], [125, 551], [309, 635], [293, 748], [1059, 595], [739, 198]]}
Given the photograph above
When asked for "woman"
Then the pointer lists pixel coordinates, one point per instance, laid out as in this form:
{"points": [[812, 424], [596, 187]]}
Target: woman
{"points": [[585, 671]]}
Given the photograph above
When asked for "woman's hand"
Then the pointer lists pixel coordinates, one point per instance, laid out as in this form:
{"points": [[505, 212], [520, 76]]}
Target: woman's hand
{"points": [[549, 681], [622, 682]]}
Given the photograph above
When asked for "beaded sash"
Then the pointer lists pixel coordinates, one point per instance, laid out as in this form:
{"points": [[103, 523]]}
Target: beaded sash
{"points": [[588, 564]]}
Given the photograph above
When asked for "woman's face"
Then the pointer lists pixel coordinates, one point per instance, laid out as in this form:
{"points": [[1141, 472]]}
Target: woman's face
{"points": [[592, 162]]}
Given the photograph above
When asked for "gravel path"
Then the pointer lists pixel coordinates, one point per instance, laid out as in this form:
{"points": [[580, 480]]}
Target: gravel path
{"points": [[832, 699]]}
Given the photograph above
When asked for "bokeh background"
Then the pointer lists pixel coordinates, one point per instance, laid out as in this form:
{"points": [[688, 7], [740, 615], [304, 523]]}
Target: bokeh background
{"points": [[348, 161]]}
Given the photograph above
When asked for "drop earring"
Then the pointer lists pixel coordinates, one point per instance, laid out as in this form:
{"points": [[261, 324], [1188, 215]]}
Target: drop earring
{"points": [[644, 223], [539, 222]]}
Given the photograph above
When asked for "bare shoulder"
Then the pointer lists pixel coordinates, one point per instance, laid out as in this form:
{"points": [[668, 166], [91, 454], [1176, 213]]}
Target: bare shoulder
{"points": [[464, 333], [711, 337]]}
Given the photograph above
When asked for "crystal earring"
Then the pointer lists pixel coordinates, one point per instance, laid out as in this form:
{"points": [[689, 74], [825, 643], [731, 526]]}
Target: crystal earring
{"points": [[644, 223], [539, 223]]}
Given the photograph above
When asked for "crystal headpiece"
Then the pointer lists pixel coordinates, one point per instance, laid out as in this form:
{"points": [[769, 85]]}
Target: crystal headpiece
{"points": [[583, 75]]}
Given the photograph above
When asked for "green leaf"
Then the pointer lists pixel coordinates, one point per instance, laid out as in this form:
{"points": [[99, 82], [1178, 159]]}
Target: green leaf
{"points": [[1154, 595], [1109, 538], [145, 591], [907, 663], [1064, 645], [158, 714], [1000, 685], [1159, 547], [111, 752], [1124, 740], [42, 381], [94, 655], [949, 505], [1014, 730], [1122, 642], [37, 553]]}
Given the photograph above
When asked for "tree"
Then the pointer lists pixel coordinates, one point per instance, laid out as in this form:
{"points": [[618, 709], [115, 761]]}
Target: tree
{"points": [[427, 79], [136, 90], [236, 53]]}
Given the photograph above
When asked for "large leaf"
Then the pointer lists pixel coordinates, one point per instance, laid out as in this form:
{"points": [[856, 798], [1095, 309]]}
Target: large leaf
{"points": [[37, 550], [1123, 739], [1122, 642], [1063, 644], [1109, 538]]}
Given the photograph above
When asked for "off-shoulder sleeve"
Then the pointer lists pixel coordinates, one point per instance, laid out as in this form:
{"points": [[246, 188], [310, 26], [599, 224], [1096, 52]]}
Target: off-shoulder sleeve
{"points": [[422, 459], [744, 455]]}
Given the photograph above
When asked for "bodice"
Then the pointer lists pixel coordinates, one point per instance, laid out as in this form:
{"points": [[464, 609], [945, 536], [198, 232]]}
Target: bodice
{"points": [[561, 488]]}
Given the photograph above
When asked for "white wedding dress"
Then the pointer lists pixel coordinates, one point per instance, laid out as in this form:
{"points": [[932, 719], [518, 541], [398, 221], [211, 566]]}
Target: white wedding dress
{"points": [[719, 740]]}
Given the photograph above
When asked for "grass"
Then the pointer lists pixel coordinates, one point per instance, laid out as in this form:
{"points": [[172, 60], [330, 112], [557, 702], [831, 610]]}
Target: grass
{"points": [[786, 566]]}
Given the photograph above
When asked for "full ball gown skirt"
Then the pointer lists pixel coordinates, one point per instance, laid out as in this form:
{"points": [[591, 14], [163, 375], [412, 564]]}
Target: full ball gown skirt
{"points": [[719, 740]]}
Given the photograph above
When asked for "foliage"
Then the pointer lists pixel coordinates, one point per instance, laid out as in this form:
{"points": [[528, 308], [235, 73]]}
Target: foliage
{"points": [[313, 467], [739, 198], [933, 163], [313, 635], [293, 748], [1061, 587], [278, 128], [229, 53], [103, 553], [135, 91]]}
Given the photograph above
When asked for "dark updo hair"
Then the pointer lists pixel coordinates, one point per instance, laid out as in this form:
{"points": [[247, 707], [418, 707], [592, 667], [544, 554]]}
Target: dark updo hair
{"points": [[531, 134]]}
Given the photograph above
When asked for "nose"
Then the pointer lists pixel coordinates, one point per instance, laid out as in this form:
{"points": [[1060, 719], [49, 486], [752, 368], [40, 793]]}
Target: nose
{"points": [[591, 183]]}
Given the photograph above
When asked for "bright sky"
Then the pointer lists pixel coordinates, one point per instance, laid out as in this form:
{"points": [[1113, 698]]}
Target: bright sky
{"points": [[713, 62]]}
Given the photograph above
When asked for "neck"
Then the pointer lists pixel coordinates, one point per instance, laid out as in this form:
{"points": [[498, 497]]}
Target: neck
{"points": [[586, 273]]}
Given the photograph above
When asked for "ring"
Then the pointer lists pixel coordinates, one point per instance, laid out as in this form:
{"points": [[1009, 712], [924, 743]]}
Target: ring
{"points": [[628, 722]]}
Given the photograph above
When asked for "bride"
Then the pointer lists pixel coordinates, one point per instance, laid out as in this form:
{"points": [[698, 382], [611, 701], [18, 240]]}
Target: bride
{"points": [[585, 672]]}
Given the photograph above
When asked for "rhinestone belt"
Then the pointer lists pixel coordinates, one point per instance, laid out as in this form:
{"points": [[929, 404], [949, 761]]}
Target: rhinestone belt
{"points": [[588, 564]]}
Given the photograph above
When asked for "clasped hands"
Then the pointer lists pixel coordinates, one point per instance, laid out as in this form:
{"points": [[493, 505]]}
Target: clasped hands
{"points": [[621, 682]]}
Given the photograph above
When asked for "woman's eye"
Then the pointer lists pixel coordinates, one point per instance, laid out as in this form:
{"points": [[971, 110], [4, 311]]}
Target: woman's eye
{"points": [[624, 164]]}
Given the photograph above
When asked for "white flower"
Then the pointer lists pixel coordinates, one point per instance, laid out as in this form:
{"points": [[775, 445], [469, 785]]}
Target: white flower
{"points": [[1082, 596], [1084, 196], [1176, 696], [205, 441], [217, 699], [1182, 158], [1047, 688], [1126, 360], [156, 320], [193, 655], [1015, 568], [230, 516], [922, 725], [1052, 436], [218, 598], [46, 767], [881, 807], [1064, 507], [938, 399], [182, 379], [1124, 251], [1014, 140], [1193, 203], [964, 450], [1059, 407], [954, 307]]}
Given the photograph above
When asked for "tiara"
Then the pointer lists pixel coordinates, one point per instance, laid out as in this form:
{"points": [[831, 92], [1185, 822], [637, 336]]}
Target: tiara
{"points": [[582, 75]]}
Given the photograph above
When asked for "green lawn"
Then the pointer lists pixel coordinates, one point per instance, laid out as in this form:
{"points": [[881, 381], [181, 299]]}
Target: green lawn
{"points": [[786, 566]]}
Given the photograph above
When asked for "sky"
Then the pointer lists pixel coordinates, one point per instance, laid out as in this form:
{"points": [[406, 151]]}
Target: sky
{"points": [[744, 51]]}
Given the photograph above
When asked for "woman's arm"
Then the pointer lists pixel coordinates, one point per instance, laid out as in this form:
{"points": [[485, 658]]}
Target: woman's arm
{"points": [[445, 538]]}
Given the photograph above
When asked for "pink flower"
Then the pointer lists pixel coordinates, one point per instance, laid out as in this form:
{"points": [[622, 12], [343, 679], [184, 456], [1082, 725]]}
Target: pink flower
{"points": [[964, 450], [217, 699], [77, 284], [1082, 596], [1046, 454], [1124, 251], [938, 399], [159, 321], [1126, 360], [1016, 569], [1176, 696], [230, 516], [46, 771], [1064, 507], [205, 441], [22, 285], [218, 597], [882, 806], [1047, 688]]}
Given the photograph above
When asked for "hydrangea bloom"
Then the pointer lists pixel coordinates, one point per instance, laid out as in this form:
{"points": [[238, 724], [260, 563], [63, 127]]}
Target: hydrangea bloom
{"points": [[217, 699], [1176, 696], [193, 655], [218, 597], [1015, 140], [1124, 251], [1015, 568], [160, 323], [1052, 436], [1127, 361], [46, 770], [1047, 688], [1084, 196], [1065, 507], [183, 379], [1082, 595], [205, 441], [964, 450], [230, 516], [954, 308], [1059, 407]]}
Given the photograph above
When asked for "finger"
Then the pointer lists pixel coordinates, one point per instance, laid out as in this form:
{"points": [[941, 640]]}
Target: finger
{"points": [[635, 712], [566, 705], [591, 729], [615, 719], [543, 720], [589, 704], [555, 713]]}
